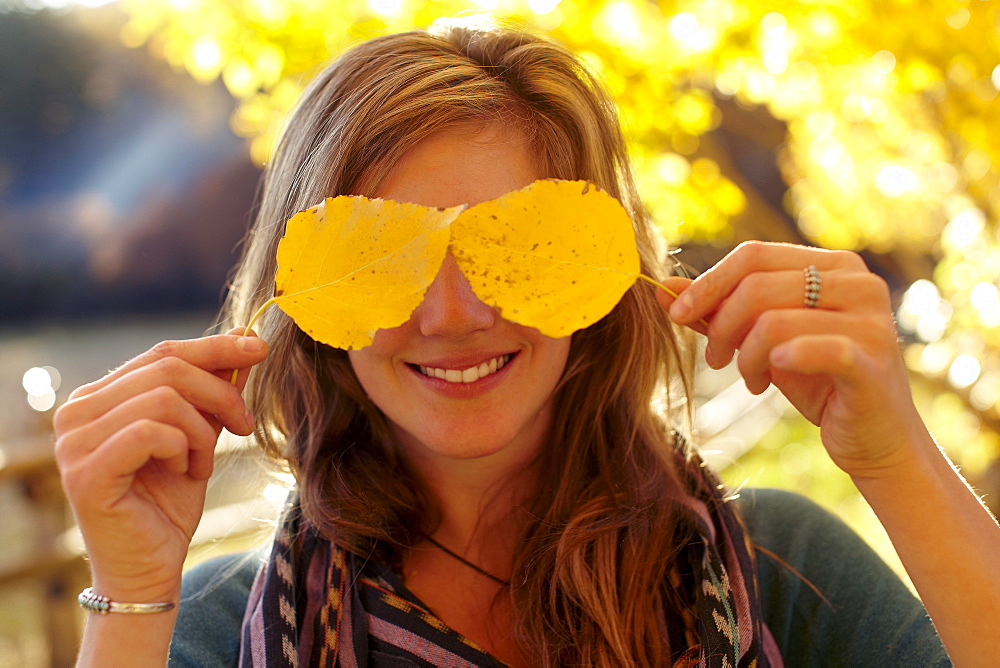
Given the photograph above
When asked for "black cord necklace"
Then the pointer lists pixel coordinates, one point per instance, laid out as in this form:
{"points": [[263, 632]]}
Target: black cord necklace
{"points": [[499, 581]]}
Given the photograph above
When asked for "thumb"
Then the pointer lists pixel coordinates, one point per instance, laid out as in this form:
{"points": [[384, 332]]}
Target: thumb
{"points": [[239, 377], [671, 289]]}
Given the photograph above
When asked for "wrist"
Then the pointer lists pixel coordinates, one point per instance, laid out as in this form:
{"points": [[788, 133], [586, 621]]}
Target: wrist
{"points": [[900, 458], [131, 592], [915, 469]]}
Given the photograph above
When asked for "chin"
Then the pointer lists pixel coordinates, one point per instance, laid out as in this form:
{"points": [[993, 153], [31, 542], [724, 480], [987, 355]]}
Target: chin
{"points": [[471, 442]]}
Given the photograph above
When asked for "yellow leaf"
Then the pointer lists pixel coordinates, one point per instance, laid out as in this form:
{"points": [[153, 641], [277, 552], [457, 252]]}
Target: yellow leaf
{"points": [[556, 255], [352, 265]]}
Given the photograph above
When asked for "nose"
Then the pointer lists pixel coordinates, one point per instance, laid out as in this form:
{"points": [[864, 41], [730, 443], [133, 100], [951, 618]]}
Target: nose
{"points": [[450, 308]]}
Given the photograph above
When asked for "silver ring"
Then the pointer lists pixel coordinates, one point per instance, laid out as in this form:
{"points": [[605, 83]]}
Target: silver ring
{"points": [[814, 284]]}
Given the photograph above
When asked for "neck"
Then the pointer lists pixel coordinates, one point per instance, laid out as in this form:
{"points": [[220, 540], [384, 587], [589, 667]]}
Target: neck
{"points": [[479, 517], [477, 499]]}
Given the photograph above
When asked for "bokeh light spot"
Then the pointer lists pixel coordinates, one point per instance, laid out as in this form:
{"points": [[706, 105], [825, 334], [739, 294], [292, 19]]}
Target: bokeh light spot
{"points": [[896, 180], [964, 371], [674, 169], [959, 18], [40, 384], [934, 358], [36, 381], [774, 24], [684, 27], [884, 62], [964, 228]]}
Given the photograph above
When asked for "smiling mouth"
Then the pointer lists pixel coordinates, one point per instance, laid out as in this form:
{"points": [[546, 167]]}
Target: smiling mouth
{"points": [[470, 375]]}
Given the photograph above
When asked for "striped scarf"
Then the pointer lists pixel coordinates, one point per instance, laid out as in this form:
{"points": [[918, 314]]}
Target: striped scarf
{"points": [[315, 604]]}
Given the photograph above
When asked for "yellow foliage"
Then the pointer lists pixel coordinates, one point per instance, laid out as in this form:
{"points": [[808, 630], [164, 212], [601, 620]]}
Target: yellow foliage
{"points": [[888, 110]]}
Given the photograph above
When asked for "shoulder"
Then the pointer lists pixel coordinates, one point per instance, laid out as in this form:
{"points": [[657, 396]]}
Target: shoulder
{"points": [[213, 597], [787, 519], [826, 595]]}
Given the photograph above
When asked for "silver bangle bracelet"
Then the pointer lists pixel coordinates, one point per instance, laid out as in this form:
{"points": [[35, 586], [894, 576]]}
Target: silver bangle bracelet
{"points": [[102, 605]]}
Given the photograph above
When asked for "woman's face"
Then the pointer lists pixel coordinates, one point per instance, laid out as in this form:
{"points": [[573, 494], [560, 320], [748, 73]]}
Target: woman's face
{"points": [[495, 395]]}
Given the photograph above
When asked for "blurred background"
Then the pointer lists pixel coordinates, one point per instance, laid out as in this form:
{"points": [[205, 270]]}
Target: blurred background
{"points": [[132, 134]]}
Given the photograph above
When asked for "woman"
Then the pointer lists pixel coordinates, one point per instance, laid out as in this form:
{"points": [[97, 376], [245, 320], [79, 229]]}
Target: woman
{"points": [[543, 514]]}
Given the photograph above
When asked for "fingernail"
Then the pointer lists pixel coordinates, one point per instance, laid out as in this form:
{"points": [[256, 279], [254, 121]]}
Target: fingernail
{"points": [[249, 344], [681, 307], [248, 417]]}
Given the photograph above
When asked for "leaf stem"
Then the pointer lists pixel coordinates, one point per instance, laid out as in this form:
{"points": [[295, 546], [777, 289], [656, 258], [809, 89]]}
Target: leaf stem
{"points": [[668, 291], [246, 330], [653, 281]]}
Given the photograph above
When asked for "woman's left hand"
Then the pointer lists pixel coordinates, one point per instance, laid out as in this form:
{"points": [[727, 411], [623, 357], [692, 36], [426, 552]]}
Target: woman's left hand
{"points": [[838, 363]]}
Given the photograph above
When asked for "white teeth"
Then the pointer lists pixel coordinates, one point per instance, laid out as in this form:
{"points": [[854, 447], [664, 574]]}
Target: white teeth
{"points": [[470, 375]]}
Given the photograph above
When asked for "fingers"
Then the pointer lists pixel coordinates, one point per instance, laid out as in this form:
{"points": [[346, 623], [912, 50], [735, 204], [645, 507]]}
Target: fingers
{"points": [[175, 390], [203, 390], [239, 376], [120, 457], [673, 286], [834, 354], [143, 417], [709, 290], [212, 353], [186, 366], [758, 293], [754, 300], [794, 340]]}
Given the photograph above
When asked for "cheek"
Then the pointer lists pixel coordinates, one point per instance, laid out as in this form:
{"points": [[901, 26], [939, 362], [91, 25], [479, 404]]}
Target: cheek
{"points": [[560, 353], [377, 379], [552, 354], [373, 364], [384, 346], [361, 363]]}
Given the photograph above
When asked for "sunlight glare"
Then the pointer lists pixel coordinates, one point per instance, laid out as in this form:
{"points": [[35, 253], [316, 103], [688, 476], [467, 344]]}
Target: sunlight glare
{"points": [[623, 22], [542, 7], [684, 27], [386, 8]]}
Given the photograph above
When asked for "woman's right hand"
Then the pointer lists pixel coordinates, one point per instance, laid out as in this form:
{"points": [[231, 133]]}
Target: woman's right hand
{"points": [[135, 450]]}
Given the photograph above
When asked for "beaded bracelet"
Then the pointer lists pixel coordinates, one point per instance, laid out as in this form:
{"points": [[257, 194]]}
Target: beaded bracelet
{"points": [[102, 605]]}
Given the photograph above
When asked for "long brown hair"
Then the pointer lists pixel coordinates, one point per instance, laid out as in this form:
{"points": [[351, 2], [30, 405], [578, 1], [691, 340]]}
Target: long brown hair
{"points": [[590, 575]]}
